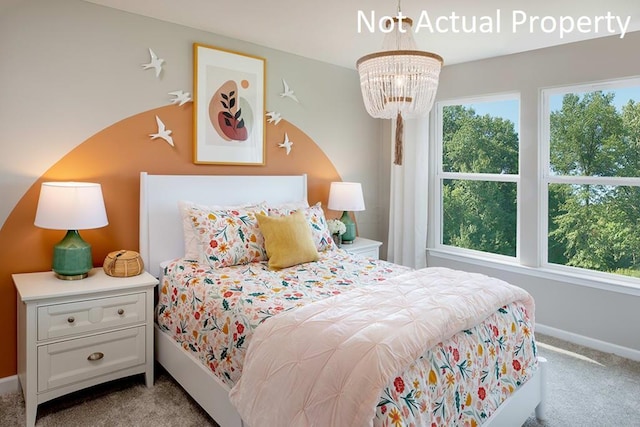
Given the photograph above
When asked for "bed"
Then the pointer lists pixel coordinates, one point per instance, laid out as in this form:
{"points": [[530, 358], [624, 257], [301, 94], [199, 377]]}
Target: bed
{"points": [[208, 375]]}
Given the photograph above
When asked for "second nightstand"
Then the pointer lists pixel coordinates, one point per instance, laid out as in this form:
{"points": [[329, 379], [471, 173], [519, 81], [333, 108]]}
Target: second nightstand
{"points": [[365, 247], [76, 334]]}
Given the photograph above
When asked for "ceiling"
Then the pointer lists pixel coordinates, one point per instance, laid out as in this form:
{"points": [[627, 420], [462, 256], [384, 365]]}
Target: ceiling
{"points": [[327, 30]]}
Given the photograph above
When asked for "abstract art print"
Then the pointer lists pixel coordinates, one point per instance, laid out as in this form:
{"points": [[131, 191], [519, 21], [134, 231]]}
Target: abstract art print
{"points": [[229, 119]]}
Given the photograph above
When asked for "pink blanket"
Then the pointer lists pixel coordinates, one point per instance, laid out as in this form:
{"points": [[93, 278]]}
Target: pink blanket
{"points": [[324, 364]]}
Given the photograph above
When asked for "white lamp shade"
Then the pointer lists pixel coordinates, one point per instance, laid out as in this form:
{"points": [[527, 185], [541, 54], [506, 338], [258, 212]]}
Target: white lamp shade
{"points": [[71, 206], [346, 196]]}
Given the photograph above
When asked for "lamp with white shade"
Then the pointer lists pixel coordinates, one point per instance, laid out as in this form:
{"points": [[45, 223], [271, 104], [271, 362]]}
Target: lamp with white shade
{"points": [[71, 206], [346, 197]]}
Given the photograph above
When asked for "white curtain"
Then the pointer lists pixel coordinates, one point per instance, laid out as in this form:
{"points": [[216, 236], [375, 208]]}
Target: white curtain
{"points": [[408, 198]]}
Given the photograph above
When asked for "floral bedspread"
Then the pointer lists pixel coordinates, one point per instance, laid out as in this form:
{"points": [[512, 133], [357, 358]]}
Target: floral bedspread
{"points": [[213, 313], [461, 381]]}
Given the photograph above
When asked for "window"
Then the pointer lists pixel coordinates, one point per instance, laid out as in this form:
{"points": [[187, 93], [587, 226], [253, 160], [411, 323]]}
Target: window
{"points": [[478, 179], [590, 183]]}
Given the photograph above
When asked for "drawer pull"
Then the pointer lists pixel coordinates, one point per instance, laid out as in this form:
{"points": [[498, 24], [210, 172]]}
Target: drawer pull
{"points": [[95, 356], [120, 311], [71, 319]]}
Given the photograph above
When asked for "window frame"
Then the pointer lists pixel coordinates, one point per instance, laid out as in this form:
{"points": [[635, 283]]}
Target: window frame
{"points": [[441, 175], [545, 178]]}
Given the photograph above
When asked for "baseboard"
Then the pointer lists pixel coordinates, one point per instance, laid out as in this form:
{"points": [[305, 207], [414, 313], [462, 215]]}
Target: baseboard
{"points": [[593, 343], [9, 384]]}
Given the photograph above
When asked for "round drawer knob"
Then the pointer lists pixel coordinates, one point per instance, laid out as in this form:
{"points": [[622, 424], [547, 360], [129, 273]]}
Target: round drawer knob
{"points": [[71, 319], [95, 356], [120, 311]]}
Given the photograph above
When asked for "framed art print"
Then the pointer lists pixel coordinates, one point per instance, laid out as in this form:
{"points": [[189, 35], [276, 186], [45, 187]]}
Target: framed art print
{"points": [[229, 119]]}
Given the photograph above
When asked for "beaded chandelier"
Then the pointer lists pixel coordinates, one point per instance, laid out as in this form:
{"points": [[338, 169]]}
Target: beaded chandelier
{"points": [[400, 81]]}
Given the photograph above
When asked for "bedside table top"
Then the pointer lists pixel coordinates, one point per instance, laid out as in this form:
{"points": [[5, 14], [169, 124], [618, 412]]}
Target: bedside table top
{"points": [[361, 243], [34, 286]]}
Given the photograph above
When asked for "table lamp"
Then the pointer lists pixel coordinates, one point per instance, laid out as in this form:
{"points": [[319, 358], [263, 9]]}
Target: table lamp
{"points": [[346, 196], [71, 206]]}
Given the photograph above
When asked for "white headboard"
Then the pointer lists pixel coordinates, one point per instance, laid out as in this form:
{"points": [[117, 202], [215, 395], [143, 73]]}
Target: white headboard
{"points": [[161, 236]]}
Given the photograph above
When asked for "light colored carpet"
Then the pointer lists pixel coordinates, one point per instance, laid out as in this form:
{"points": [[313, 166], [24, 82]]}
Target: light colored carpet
{"points": [[126, 402], [586, 388]]}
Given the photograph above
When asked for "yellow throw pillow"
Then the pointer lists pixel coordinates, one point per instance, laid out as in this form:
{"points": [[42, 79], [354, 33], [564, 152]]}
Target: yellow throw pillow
{"points": [[287, 239]]}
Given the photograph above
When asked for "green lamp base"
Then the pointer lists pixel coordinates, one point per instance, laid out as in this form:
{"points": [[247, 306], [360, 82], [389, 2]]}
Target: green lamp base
{"points": [[72, 257], [350, 235]]}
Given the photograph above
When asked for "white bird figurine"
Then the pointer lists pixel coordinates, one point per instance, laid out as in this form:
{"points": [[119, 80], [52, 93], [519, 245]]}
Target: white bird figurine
{"points": [[286, 144], [181, 97], [274, 117], [155, 63], [162, 133], [288, 93]]}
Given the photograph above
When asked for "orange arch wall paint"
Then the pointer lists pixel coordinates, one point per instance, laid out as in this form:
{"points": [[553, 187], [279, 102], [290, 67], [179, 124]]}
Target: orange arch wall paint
{"points": [[114, 157]]}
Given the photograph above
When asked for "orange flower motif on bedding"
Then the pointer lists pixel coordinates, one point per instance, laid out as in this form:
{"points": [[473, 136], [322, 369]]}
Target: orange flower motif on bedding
{"points": [[396, 417], [451, 380]]}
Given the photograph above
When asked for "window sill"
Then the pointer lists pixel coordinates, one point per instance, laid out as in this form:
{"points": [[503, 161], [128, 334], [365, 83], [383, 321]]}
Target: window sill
{"points": [[629, 286]]}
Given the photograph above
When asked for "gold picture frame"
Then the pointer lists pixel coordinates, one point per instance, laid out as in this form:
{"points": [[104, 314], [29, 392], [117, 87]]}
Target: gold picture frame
{"points": [[229, 114]]}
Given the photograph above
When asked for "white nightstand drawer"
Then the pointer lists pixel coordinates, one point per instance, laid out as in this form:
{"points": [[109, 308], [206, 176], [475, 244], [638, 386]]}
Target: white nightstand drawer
{"points": [[364, 247], [61, 320], [80, 359], [369, 253]]}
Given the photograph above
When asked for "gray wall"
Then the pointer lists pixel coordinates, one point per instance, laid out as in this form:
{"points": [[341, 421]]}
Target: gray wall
{"points": [[71, 68], [583, 312]]}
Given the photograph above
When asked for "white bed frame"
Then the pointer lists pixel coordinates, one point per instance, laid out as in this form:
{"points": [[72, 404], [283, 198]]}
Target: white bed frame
{"points": [[161, 239]]}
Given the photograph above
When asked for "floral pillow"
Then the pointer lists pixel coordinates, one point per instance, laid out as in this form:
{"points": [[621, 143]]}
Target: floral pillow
{"points": [[317, 222], [227, 236]]}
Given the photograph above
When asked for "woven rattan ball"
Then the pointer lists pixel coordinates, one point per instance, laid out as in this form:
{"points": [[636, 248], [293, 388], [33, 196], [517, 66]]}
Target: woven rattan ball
{"points": [[123, 263]]}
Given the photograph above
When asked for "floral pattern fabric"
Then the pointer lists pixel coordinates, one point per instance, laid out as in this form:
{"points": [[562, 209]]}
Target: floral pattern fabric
{"points": [[212, 313], [228, 237], [463, 380]]}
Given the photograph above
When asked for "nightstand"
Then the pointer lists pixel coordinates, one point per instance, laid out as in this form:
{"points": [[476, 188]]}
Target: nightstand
{"points": [[365, 247], [76, 334]]}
